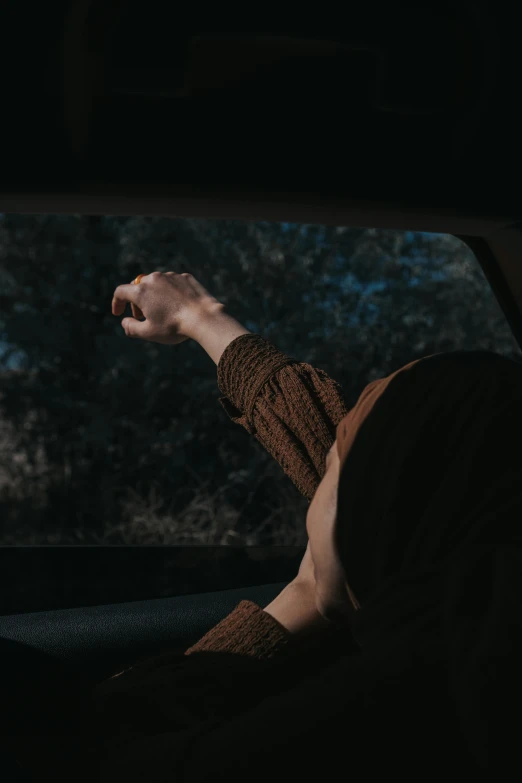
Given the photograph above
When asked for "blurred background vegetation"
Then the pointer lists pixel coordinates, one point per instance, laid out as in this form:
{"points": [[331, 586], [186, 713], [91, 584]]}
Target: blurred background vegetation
{"points": [[107, 440]]}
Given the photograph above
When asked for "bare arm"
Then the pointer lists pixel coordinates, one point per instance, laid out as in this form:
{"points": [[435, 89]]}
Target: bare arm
{"points": [[216, 329]]}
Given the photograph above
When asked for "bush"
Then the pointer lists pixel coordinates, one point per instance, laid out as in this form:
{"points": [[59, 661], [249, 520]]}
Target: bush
{"points": [[107, 440]]}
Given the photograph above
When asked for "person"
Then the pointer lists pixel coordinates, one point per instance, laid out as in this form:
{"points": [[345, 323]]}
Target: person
{"points": [[396, 648]]}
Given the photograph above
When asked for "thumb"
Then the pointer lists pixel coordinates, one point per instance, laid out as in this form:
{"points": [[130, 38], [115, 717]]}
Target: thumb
{"points": [[135, 328]]}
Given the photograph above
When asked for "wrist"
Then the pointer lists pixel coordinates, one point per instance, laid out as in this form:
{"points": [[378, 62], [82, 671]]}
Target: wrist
{"points": [[215, 329], [295, 609]]}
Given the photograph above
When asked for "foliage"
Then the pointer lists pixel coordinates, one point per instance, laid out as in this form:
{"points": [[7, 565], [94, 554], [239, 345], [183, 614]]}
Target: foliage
{"points": [[110, 440]]}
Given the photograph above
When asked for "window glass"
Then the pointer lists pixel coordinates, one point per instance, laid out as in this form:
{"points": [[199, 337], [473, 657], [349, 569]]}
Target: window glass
{"points": [[107, 440]]}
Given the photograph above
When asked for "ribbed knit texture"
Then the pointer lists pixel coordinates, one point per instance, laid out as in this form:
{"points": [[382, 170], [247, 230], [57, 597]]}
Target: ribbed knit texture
{"points": [[291, 408], [247, 631]]}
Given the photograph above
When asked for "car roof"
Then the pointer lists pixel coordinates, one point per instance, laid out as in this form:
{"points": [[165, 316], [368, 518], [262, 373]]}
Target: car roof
{"points": [[396, 109]]}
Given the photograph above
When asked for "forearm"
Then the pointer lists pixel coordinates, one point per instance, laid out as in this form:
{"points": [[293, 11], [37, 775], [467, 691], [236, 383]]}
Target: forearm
{"points": [[296, 610], [216, 329]]}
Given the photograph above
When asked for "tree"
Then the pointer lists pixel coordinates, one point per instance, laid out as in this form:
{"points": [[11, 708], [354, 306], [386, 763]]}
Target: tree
{"points": [[112, 440]]}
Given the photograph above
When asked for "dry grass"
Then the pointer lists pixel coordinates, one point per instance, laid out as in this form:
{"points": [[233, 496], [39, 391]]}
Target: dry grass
{"points": [[207, 519], [203, 521]]}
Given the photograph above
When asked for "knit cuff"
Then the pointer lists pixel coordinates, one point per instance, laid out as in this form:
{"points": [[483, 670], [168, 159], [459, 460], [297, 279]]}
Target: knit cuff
{"points": [[247, 631], [246, 364]]}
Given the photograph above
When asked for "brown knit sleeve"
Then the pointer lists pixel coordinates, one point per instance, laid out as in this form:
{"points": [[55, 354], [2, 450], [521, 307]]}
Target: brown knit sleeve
{"points": [[291, 408], [248, 630]]}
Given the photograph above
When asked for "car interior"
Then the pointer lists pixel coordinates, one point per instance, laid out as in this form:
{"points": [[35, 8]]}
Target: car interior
{"points": [[400, 115]]}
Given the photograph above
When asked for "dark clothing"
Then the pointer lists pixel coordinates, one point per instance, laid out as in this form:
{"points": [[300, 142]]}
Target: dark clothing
{"points": [[420, 686], [429, 530]]}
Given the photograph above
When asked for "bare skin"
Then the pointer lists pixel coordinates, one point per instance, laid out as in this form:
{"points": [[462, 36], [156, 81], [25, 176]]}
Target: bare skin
{"points": [[319, 595], [176, 308]]}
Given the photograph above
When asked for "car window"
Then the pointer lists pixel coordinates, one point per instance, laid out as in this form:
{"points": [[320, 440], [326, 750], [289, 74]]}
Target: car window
{"points": [[111, 441]]}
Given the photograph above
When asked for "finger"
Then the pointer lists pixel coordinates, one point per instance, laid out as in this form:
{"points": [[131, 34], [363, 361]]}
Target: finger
{"points": [[133, 328], [136, 312], [122, 295]]}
